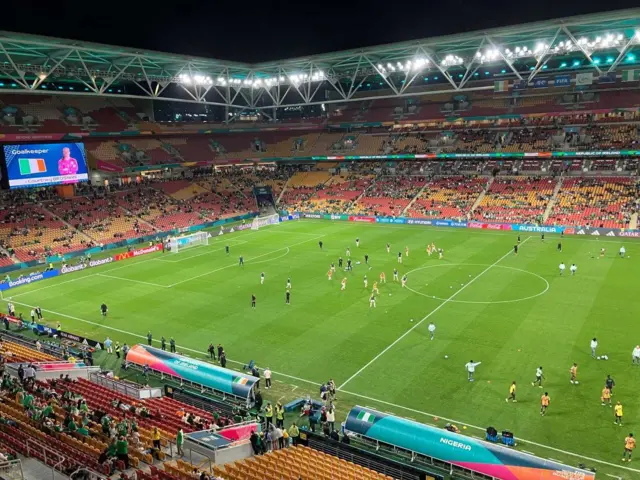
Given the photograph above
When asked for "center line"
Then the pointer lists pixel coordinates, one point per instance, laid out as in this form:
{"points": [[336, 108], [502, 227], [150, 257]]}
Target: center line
{"points": [[428, 315]]}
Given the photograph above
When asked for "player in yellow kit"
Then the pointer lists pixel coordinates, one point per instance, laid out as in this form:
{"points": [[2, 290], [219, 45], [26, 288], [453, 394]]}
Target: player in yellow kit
{"points": [[383, 278], [375, 288], [343, 284], [629, 447], [512, 393], [428, 249], [617, 412], [330, 274], [544, 403], [606, 396], [574, 373]]}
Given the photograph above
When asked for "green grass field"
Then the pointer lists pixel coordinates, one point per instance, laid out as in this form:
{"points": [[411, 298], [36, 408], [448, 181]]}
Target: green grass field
{"points": [[512, 313]]}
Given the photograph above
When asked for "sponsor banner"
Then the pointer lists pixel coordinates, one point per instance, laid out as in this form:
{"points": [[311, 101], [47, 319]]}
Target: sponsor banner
{"points": [[80, 340], [537, 229], [141, 251], [607, 78], [336, 217], [562, 81], [629, 233], [519, 85], [108, 167], [458, 224], [313, 215], [101, 261], [36, 277], [490, 226], [419, 221], [540, 83], [584, 78], [34, 137], [287, 218], [357, 218], [391, 220]]}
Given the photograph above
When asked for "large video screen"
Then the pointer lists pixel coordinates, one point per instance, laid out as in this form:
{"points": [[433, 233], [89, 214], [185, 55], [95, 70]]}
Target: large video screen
{"points": [[39, 165]]}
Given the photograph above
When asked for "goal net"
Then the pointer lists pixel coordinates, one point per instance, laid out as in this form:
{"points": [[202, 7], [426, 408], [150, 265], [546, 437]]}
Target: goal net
{"points": [[177, 244], [264, 221]]}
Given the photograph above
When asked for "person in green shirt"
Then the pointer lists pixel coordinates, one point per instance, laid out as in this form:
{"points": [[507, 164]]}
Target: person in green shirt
{"points": [[72, 427], [180, 441], [83, 431], [48, 410], [28, 401], [122, 451]]}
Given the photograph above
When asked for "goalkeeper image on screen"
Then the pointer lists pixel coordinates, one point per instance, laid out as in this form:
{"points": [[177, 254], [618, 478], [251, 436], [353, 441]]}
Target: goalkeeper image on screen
{"points": [[67, 165]]}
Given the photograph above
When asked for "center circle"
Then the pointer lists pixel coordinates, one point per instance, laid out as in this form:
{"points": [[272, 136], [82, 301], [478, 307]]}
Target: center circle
{"points": [[485, 302]]}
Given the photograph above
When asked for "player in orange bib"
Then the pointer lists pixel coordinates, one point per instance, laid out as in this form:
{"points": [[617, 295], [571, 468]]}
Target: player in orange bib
{"points": [[428, 249], [375, 288], [606, 396], [330, 274], [574, 373], [629, 447], [544, 403], [344, 284], [383, 278], [406, 251]]}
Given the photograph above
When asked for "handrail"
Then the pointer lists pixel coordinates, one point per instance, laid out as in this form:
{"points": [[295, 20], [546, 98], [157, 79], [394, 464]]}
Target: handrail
{"points": [[92, 474], [8, 466], [45, 450]]}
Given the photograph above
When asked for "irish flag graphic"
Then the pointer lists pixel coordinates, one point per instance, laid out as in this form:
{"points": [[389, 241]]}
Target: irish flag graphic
{"points": [[241, 380], [366, 417], [30, 166]]}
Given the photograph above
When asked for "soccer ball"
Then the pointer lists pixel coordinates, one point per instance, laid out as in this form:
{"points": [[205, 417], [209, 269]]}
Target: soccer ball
{"points": [[411, 320], [446, 356], [597, 358], [605, 357]]}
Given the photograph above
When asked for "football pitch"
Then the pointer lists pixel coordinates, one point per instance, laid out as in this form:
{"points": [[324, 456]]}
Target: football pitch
{"points": [[510, 312]]}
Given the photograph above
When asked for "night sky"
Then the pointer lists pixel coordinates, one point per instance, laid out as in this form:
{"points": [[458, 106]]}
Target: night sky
{"points": [[252, 31]]}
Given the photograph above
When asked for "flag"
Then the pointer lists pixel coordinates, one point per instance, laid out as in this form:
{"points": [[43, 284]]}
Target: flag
{"points": [[240, 380], [29, 166], [630, 75], [501, 86], [584, 78], [366, 416]]}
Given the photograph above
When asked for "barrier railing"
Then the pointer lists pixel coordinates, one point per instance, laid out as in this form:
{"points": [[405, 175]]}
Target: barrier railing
{"points": [[11, 470], [126, 388]]}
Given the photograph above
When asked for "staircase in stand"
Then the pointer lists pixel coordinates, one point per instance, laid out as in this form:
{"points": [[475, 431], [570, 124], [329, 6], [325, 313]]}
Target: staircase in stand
{"points": [[552, 202], [282, 192], [633, 223], [417, 195], [481, 196]]}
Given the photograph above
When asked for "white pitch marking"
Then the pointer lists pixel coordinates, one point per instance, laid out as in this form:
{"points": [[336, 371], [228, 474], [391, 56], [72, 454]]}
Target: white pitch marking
{"points": [[428, 315]]}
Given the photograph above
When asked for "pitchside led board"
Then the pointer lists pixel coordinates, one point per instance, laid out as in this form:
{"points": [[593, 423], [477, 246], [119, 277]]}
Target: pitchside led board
{"points": [[39, 165]]}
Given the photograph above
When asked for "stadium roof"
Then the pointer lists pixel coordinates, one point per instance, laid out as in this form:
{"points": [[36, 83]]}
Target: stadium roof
{"points": [[599, 43]]}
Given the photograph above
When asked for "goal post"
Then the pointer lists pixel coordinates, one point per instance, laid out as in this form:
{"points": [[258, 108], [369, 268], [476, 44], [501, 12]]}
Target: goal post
{"points": [[177, 244], [264, 221]]}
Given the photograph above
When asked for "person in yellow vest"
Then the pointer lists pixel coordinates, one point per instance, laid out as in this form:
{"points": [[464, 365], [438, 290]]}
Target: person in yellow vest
{"points": [[294, 433], [285, 437], [279, 415], [268, 414]]}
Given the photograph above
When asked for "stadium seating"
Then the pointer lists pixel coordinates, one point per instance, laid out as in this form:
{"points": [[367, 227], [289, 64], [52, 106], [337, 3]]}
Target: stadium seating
{"points": [[389, 195], [15, 352], [448, 197], [595, 201], [294, 463], [515, 200]]}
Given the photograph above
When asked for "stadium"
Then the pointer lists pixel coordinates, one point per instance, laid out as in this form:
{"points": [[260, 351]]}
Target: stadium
{"points": [[407, 261]]}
